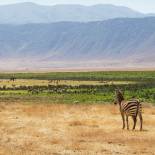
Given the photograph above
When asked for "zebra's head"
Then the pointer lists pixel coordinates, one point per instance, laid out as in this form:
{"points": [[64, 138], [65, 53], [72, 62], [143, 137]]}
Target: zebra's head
{"points": [[119, 96]]}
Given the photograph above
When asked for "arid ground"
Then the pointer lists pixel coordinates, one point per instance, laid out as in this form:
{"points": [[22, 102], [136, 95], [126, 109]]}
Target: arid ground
{"points": [[59, 129]]}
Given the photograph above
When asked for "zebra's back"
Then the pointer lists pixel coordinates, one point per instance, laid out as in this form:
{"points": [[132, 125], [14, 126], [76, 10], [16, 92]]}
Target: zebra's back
{"points": [[132, 107]]}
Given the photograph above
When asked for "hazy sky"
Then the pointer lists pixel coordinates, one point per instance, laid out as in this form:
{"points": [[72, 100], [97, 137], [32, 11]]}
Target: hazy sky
{"points": [[146, 6]]}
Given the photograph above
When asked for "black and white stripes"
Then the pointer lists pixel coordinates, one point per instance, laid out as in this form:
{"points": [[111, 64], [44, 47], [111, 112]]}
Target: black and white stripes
{"points": [[131, 108]]}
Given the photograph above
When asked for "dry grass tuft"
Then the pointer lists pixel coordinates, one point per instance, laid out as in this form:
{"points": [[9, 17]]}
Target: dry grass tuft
{"points": [[76, 123]]}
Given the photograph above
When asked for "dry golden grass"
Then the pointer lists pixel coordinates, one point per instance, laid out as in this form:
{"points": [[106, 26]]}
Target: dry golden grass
{"points": [[71, 129]]}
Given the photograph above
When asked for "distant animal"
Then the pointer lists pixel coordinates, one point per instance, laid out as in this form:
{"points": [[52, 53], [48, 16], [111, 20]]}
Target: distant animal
{"points": [[131, 108], [12, 78]]}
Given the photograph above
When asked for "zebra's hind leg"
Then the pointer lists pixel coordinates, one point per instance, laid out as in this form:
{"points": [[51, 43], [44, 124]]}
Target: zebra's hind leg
{"points": [[135, 121], [127, 122], [141, 121]]}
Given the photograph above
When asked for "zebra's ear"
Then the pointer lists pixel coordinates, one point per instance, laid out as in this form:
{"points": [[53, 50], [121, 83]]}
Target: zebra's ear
{"points": [[121, 91], [118, 91]]}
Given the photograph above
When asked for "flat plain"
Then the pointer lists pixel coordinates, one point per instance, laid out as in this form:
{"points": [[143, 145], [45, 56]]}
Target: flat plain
{"points": [[68, 129]]}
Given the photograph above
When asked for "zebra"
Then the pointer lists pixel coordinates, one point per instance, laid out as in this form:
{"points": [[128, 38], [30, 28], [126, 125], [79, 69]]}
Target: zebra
{"points": [[131, 108]]}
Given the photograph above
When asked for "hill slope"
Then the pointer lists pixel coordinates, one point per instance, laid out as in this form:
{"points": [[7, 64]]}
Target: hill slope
{"points": [[121, 40]]}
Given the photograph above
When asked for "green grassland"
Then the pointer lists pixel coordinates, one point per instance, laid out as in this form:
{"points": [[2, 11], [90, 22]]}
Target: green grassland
{"points": [[106, 75], [77, 87]]}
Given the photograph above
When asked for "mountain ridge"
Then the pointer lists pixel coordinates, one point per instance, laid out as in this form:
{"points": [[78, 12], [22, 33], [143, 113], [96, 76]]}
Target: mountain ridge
{"points": [[23, 13]]}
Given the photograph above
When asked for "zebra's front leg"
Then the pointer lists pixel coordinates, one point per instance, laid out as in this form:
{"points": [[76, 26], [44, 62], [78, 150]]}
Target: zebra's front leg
{"points": [[127, 122], [123, 119], [135, 121]]}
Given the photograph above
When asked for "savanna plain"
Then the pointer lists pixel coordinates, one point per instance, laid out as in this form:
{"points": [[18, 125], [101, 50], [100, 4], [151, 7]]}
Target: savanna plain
{"points": [[73, 113]]}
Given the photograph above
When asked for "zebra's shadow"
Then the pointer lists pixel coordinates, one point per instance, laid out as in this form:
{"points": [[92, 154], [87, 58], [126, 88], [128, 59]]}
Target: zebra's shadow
{"points": [[136, 130], [144, 130]]}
